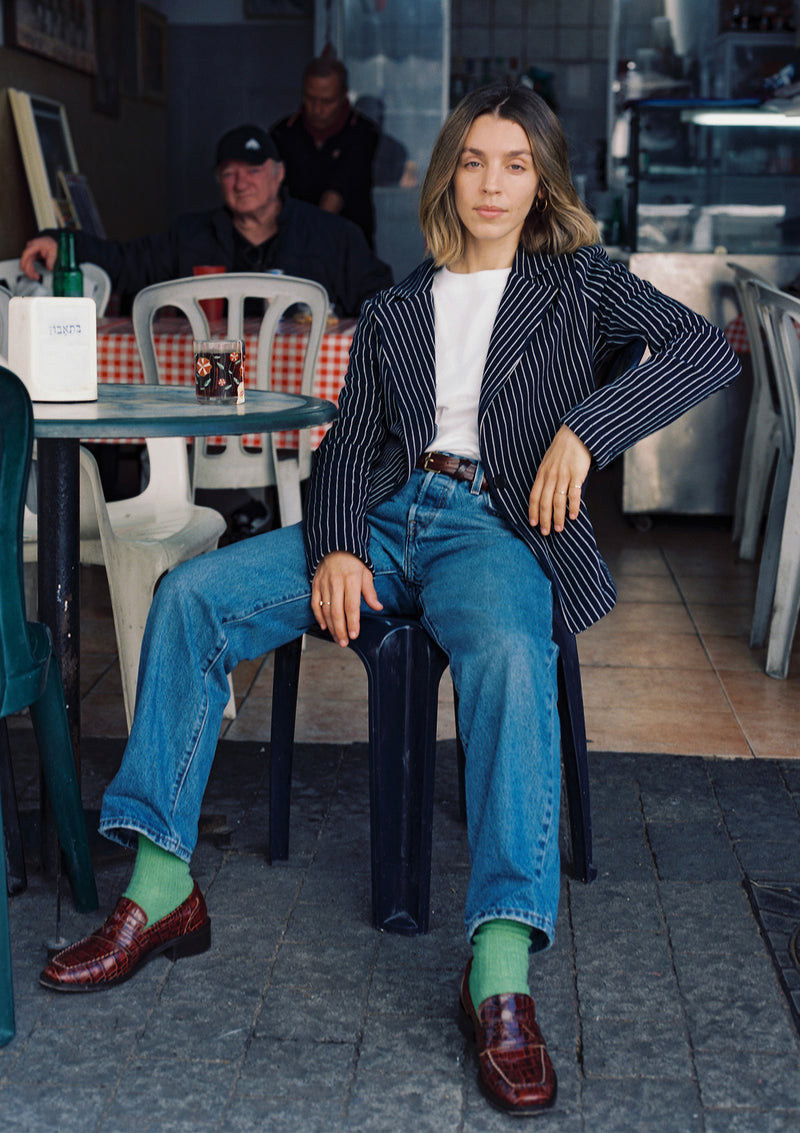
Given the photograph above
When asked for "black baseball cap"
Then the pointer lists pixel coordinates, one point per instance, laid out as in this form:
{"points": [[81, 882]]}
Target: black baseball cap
{"points": [[250, 144]]}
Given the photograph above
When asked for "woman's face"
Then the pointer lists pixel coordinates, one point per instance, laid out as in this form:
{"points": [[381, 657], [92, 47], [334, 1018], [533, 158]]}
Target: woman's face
{"points": [[495, 184]]}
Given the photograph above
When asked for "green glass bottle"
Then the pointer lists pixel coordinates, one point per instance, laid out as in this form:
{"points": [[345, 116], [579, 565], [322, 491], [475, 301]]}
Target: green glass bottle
{"points": [[67, 276]]}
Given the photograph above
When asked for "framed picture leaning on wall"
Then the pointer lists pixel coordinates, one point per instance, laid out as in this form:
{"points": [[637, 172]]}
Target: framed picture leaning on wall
{"points": [[81, 203], [47, 150]]}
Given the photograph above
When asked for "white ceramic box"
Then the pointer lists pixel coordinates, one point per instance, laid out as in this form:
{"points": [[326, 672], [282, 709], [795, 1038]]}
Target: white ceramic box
{"points": [[52, 346]]}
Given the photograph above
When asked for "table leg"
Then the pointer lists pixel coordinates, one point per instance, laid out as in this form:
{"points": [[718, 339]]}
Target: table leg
{"points": [[59, 565]]}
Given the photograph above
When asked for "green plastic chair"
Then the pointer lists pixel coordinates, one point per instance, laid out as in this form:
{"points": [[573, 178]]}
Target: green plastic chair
{"points": [[28, 679]]}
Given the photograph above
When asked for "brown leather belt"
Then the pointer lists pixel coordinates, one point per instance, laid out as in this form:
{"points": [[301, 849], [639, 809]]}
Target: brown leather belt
{"points": [[456, 466]]}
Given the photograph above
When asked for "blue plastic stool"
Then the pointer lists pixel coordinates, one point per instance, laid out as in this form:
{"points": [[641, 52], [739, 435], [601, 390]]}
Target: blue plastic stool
{"points": [[404, 666]]}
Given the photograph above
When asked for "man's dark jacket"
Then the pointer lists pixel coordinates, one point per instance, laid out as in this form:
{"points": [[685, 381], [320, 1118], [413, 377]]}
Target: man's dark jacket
{"points": [[341, 164], [309, 243]]}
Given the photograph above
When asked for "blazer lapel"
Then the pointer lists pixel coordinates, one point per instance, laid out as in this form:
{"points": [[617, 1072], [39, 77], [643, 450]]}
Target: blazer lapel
{"points": [[530, 290]]}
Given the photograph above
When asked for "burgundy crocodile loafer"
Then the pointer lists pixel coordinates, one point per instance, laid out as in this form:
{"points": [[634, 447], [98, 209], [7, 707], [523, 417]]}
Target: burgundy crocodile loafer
{"points": [[515, 1071], [124, 943]]}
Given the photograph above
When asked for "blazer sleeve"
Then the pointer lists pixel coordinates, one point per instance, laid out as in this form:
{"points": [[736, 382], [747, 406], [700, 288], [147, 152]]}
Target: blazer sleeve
{"points": [[690, 359], [336, 508]]}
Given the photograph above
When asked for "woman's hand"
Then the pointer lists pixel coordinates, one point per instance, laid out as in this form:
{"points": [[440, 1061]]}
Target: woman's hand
{"points": [[558, 482], [40, 248], [340, 582]]}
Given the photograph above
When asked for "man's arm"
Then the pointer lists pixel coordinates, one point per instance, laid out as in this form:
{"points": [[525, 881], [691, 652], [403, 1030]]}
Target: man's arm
{"points": [[131, 264]]}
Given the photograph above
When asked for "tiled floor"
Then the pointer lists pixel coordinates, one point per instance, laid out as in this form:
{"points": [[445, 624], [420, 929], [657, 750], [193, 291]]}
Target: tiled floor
{"points": [[668, 671]]}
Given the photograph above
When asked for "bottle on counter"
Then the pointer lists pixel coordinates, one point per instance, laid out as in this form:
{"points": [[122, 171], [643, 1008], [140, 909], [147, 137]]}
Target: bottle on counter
{"points": [[67, 276]]}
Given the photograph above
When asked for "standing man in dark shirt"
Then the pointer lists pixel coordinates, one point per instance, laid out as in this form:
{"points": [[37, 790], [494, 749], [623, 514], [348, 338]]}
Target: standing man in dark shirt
{"points": [[258, 228], [328, 148]]}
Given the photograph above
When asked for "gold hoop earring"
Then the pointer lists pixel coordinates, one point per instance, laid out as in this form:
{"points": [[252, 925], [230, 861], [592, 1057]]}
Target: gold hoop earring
{"points": [[540, 204]]}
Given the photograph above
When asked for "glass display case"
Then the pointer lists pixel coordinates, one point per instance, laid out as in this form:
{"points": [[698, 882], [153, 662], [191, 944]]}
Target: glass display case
{"points": [[397, 58], [712, 174]]}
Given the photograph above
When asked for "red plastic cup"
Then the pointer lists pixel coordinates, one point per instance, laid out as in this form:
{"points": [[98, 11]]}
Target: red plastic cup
{"points": [[214, 308]]}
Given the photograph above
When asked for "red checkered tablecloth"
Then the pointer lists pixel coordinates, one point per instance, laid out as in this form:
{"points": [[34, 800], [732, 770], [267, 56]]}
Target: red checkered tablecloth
{"points": [[118, 359], [736, 334]]}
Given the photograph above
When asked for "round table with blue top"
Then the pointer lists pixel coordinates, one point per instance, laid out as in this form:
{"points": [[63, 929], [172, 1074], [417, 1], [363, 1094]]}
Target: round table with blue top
{"points": [[123, 411]]}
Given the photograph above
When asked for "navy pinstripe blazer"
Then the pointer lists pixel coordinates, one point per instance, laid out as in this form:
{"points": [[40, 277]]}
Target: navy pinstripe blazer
{"points": [[560, 320]]}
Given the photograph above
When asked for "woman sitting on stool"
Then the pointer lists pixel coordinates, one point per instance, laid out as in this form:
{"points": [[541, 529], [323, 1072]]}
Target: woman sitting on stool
{"points": [[449, 489]]}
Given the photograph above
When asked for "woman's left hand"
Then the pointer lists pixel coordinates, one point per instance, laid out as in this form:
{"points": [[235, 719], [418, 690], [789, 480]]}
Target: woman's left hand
{"points": [[558, 482]]}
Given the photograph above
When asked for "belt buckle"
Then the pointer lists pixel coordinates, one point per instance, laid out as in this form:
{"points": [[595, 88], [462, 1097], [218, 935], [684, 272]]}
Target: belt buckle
{"points": [[426, 462]]}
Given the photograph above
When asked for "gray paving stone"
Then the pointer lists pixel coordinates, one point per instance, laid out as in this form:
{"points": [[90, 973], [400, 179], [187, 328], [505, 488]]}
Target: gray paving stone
{"points": [[710, 917], [627, 906], [619, 994], [307, 1113], [170, 1096], [752, 1121], [388, 1043], [767, 1080], [284, 1071], [645, 1046], [693, 851], [426, 994], [425, 1101], [212, 1028], [734, 1002], [626, 857], [324, 1014], [642, 1105], [762, 858], [34, 1106]]}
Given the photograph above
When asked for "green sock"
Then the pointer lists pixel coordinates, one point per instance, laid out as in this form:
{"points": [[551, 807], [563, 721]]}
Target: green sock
{"points": [[500, 952], [160, 881]]}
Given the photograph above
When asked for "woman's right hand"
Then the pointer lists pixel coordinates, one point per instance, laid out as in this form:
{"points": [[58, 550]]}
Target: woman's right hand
{"points": [[42, 248], [340, 582]]}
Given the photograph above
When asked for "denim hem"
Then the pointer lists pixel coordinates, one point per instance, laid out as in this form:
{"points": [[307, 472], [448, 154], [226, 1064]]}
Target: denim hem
{"points": [[544, 925], [123, 831]]}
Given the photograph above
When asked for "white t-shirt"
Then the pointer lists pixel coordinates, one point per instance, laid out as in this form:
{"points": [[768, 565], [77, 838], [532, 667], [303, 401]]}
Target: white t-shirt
{"points": [[465, 307]]}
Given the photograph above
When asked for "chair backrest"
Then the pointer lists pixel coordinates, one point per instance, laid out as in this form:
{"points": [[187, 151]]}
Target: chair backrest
{"points": [[279, 293], [779, 313], [16, 441], [96, 282], [763, 376], [5, 299]]}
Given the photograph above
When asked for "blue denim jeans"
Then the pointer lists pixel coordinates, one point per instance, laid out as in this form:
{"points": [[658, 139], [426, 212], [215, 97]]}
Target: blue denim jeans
{"points": [[441, 553]]}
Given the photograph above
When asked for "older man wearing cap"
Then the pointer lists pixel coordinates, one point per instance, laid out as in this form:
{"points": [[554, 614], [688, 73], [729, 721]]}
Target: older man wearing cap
{"points": [[257, 228]]}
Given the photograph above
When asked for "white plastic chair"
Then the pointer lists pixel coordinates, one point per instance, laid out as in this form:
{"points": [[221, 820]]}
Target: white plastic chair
{"points": [[762, 431], [236, 466], [778, 592], [5, 299], [138, 540], [96, 282]]}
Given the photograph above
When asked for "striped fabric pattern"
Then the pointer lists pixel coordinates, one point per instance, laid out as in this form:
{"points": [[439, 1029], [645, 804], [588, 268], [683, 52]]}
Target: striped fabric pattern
{"points": [[560, 320]]}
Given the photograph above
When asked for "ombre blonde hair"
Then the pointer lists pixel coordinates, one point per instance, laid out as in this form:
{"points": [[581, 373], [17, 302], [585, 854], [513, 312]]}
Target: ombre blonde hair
{"points": [[565, 224]]}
